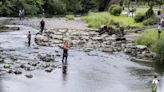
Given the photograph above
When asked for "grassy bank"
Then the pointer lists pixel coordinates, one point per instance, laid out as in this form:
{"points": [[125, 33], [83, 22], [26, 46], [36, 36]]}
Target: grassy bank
{"points": [[150, 38], [95, 20]]}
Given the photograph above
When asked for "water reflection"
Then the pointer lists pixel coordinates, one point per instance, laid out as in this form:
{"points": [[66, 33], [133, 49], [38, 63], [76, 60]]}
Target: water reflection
{"points": [[158, 68], [1, 84], [64, 72]]}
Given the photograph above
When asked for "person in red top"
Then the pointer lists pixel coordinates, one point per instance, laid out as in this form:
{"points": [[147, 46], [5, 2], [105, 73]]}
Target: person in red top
{"points": [[65, 52]]}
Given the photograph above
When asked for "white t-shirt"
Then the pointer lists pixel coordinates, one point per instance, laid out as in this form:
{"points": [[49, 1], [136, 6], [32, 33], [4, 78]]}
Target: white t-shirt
{"points": [[155, 81], [159, 27]]}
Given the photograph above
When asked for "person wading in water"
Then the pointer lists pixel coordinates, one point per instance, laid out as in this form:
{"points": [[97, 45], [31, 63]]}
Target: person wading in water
{"points": [[29, 39], [42, 25], [154, 84], [65, 52]]}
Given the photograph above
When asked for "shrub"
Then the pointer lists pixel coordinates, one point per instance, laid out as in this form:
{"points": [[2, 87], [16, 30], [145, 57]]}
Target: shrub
{"points": [[139, 17], [160, 49], [148, 38], [115, 10], [149, 13], [151, 21], [70, 17], [53, 7]]}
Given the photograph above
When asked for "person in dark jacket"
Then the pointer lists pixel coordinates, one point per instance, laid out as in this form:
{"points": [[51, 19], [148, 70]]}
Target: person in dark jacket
{"points": [[42, 25], [29, 39]]}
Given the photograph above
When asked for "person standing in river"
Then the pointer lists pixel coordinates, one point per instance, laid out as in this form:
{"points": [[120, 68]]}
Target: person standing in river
{"points": [[65, 52], [29, 39], [42, 25], [154, 84]]}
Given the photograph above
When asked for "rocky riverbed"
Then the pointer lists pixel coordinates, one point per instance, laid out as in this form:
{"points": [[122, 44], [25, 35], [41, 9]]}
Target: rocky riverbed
{"points": [[25, 69], [89, 40]]}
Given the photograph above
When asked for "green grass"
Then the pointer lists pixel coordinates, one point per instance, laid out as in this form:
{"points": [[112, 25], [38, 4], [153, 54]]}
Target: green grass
{"points": [[95, 20], [141, 10], [149, 38], [70, 17]]}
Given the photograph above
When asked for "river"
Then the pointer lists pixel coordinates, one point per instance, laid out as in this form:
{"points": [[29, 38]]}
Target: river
{"points": [[86, 72]]}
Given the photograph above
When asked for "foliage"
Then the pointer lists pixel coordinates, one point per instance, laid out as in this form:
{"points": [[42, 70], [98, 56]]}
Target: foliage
{"points": [[50, 7], [148, 37], [149, 13], [53, 7], [139, 17], [115, 10], [151, 21], [95, 20], [160, 49], [70, 17]]}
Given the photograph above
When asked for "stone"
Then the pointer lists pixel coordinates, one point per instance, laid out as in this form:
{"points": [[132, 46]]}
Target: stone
{"points": [[36, 47], [29, 75], [33, 63], [6, 66], [127, 50], [17, 72], [88, 49], [151, 55], [107, 50], [97, 39], [141, 47], [22, 66], [41, 38], [10, 71], [49, 70]]}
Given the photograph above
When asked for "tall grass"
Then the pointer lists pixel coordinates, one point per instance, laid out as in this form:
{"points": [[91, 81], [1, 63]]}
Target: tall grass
{"points": [[95, 20], [149, 38], [70, 17]]}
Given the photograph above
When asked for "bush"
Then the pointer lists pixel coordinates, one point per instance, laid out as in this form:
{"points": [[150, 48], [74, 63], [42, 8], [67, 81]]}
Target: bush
{"points": [[70, 17], [160, 49], [151, 21], [53, 7], [139, 17], [115, 10], [149, 13], [148, 38]]}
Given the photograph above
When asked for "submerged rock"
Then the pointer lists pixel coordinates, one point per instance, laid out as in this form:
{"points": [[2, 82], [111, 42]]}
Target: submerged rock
{"points": [[49, 70], [29, 75]]}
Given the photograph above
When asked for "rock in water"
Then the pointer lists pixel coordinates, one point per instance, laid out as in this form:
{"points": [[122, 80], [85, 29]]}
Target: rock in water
{"points": [[17, 72], [6, 66], [29, 75], [49, 70]]}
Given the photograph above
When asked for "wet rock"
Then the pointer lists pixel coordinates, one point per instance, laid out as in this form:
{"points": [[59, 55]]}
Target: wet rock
{"points": [[29, 75], [14, 58], [107, 49], [151, 55], [47, 58], [141, 47], [36, 47], [97, 39], [22, 66], [49, 70], [33, 63], [17, 72], [88, 49], [128, 50], [58, 55], [45, 65], [6, 66], [41, 38], [10, 71]]}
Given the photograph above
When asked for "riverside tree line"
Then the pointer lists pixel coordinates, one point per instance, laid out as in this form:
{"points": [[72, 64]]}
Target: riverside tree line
{"points": [[51, 7]]}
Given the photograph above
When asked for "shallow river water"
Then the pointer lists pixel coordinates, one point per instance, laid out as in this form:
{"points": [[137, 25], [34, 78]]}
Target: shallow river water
{"points": [[86, 72]]}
